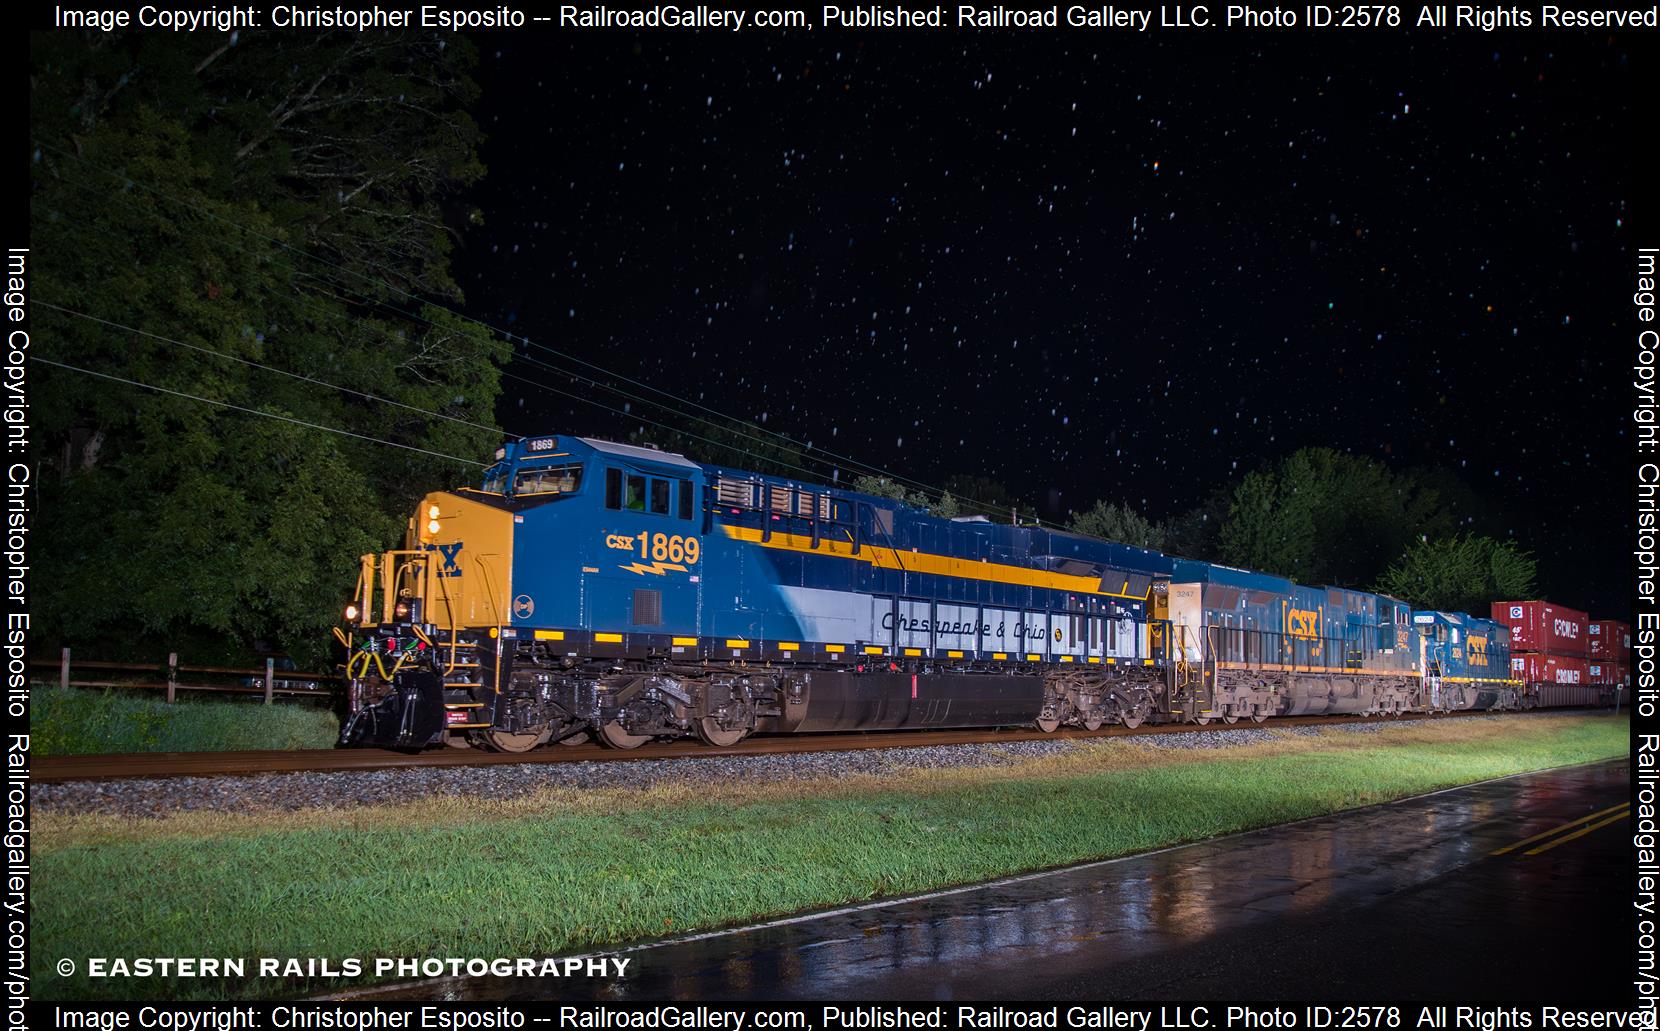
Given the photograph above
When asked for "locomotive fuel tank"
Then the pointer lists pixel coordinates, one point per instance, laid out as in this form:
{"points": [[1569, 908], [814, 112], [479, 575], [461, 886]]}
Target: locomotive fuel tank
{"points": [[833, 700], [1327, 696]]}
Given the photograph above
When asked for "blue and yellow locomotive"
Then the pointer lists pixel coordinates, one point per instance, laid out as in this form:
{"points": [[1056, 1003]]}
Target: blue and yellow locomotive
{"points": [[589, 588]]}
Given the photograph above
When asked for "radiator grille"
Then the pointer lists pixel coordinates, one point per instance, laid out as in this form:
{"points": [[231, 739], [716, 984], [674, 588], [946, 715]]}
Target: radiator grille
{"points": [[648, 607]]}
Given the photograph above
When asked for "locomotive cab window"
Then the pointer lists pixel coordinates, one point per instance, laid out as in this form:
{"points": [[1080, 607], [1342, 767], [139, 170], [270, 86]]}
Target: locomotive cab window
{"points": [[632, 492], [686, 501], [495, 481], [547, 479]]}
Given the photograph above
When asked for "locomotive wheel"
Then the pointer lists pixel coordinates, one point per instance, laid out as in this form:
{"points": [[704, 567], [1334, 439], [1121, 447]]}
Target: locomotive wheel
{"points": [[1202, 720], [614, 735], [1048, 724], [1092, 722], [710, 732], [1132, 722], [1258, 717], [507, 741], [1230, 719]]}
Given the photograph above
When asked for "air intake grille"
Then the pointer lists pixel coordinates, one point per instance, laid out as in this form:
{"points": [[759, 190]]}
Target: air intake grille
{"points": [[648, 607]]}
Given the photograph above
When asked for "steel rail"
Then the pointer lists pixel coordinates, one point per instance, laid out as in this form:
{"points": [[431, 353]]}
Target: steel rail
{"points": [[54, 769]]}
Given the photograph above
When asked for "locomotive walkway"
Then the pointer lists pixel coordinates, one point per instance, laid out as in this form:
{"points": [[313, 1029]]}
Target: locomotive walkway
{"points": [[209, 764], [1509, 889]]}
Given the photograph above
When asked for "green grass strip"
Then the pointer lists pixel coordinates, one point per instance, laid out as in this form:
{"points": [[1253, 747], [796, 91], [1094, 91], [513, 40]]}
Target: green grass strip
{"points": [[541, 883], [82, 722]]}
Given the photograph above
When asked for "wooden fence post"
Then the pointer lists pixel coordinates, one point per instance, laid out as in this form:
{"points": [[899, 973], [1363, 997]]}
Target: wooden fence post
{"points": [[63, 670], [172, 675], [269, 664]]}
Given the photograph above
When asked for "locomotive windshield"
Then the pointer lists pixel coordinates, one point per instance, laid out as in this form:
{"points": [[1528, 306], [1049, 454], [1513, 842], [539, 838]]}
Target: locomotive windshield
{"points": [[548, 479]]}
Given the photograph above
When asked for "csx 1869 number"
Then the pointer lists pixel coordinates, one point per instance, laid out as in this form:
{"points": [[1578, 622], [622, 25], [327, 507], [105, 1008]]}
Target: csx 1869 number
{"points": [[658, 547]]}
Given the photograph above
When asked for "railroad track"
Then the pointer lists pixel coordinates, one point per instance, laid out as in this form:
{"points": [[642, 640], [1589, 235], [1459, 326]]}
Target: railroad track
{"points": [[51, 769]]}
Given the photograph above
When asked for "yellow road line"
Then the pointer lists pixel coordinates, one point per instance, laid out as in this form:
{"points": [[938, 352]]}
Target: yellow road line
{"points": [[1557, 830], [1622, 815]]}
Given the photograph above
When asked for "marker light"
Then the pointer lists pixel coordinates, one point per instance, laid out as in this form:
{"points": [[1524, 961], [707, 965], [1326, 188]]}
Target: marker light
{"points": [[401, 610], [351, 613], [432, 527], [432, 513]]}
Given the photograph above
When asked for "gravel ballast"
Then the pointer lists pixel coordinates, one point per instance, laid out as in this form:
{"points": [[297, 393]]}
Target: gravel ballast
{"points": [[288, 792]]}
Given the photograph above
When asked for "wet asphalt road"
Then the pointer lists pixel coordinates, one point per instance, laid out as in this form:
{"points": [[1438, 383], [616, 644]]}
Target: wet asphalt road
{"points": [[1395, 902]]}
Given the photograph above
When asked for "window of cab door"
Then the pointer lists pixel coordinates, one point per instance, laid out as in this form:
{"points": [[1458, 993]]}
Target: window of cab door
{"points": [[628, 491]]}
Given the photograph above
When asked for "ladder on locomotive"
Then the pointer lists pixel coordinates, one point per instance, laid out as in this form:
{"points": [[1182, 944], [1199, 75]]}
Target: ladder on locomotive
{"points": [[460, 649], [1192, 685], [1432, 676]]}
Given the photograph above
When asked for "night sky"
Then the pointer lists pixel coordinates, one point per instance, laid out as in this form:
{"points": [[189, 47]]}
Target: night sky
{"points": [[1087, 266]]}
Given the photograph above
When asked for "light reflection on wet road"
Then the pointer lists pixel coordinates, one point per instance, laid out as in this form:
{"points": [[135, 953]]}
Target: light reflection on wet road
{"points": [[1391, 901]]}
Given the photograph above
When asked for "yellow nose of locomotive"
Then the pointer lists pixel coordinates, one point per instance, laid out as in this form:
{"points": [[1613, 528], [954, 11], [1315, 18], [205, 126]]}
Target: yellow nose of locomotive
{"points": [[465, 542]]}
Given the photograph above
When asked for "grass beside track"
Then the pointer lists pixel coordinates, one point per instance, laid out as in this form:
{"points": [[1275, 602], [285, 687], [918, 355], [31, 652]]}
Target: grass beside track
{"points": [[567, 871], [82, 722]]}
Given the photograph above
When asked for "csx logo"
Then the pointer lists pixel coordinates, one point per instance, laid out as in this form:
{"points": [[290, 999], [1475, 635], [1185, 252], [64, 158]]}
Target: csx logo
{"points": [[1477, 647], [619, 541], [451, 554], [1304, 623], [1567, 628]]}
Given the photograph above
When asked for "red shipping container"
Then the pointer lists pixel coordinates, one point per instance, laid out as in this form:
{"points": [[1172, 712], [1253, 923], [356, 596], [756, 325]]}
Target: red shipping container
{"points": [[1608, 639], [1539, 626], [1536, 668], [1602, 672]]}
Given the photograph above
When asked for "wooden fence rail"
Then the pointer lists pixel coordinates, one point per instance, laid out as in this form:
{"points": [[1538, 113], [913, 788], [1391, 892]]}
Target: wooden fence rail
{"points": [[322, 683]]}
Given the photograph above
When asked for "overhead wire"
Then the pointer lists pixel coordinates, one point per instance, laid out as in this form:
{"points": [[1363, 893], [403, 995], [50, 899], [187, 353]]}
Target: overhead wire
{"points": [[501, 372], [735, 425], [270, 368], [251, 411]]}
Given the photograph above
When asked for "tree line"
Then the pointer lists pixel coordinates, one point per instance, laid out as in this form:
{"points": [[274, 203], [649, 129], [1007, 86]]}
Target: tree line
{"points": [[257, 228]]}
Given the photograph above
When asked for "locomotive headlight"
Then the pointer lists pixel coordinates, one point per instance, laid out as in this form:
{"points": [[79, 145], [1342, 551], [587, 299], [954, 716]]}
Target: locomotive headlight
{"points": [[351, 613], [401, 610], [432, 526], [432, 513]]}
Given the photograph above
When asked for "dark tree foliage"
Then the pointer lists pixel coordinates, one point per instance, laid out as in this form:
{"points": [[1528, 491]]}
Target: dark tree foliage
{"points": [[1119, 523], [1197, 533], [1324, 516], [982, 495], [1461, 574], [274, 198]]}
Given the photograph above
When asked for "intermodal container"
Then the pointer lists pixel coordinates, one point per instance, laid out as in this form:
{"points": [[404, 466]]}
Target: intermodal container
{"points": [[1559, 696], [1608, 639], [1540, 668], [1602, 672], [1539, 626]]}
